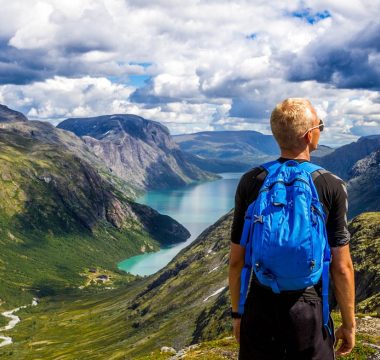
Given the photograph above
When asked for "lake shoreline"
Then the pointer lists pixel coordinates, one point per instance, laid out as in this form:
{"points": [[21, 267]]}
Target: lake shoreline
{"points": [[195, 206]]}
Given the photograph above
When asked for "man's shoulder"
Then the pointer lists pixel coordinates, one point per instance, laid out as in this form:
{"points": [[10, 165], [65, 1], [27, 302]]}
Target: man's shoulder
{"points": [[326, 177], [255, 173]]}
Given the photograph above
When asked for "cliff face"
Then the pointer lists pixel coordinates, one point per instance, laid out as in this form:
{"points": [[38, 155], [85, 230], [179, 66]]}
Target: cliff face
{"points": [[140, 151], [61, 210], [9, 115]]}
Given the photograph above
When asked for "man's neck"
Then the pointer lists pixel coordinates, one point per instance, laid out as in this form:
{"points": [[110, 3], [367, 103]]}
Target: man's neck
{"points": [[302, 155]]}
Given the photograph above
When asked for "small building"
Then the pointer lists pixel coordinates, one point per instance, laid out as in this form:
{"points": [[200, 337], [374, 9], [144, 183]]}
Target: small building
{"points": [[102, 277]]}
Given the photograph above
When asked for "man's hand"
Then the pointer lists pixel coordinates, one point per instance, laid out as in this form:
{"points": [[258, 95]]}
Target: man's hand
{"points": [[348, 340], [236, 325]]}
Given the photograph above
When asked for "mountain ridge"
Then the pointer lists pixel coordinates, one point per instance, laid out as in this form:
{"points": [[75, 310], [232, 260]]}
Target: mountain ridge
{"points": [[138, 150], [9, 115]]}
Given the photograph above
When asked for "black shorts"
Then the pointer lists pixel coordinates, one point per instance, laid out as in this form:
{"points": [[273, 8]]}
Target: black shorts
{"points": [[284, 327]]}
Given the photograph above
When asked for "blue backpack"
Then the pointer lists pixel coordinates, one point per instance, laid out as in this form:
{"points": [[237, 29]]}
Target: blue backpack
{"points": [[284, 233]]}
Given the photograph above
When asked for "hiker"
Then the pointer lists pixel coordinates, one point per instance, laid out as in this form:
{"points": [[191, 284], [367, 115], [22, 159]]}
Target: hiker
{"points": [[280, 318]]}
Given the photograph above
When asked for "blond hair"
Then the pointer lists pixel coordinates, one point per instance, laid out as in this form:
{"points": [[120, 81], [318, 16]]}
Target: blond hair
{"points": [[289, 120]]}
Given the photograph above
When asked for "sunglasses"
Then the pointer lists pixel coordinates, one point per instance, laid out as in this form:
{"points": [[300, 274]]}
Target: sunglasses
{"points": [[321, 126]]}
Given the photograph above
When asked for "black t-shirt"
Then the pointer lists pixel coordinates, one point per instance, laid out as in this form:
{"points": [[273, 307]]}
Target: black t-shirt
{"points": [[331, 190]]}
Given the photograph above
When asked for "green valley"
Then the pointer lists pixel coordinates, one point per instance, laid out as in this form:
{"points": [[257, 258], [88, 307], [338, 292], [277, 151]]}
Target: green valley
{"points": [[184, 303], [62, 212]]}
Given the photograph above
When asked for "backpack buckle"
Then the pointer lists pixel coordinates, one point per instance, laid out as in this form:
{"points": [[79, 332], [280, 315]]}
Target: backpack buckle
{"points": [[312, 264], [258, 218]]}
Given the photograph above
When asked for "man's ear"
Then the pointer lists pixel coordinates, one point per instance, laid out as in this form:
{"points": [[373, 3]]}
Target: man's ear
{"points": [[308, 136]]}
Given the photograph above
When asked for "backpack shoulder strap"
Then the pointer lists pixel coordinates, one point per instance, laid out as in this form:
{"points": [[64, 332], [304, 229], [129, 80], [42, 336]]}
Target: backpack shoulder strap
{"points": [[313, 169], [310, 167], [271, 166], [262, 174]]}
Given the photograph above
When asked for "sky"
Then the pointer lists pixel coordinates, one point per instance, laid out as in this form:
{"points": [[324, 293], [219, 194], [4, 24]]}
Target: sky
{"points": [[194, 65]]}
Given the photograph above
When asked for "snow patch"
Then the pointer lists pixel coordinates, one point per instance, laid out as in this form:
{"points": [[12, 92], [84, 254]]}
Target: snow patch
{"points": [[214, 293], [215, 268]]}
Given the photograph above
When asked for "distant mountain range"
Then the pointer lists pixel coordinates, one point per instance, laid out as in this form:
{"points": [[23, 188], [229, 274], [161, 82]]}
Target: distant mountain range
{"points": [[226, 151], [139, 151]]}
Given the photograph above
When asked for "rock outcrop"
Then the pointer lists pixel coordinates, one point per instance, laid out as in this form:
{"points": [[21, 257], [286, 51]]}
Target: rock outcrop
{"points": [[9, 115]]}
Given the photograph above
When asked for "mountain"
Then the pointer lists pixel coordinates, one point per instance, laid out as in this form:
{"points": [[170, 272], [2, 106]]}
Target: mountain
{"points": [[248, 148], [216, 165], [357, 164], [364, 185], [9, 115], [138, 150], [62, 211], [321, 151], [184, 303], [342, 159]]}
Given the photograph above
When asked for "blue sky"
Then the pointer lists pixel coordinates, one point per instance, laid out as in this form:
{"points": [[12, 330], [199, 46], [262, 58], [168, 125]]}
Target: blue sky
{"points": [[194, 65]]}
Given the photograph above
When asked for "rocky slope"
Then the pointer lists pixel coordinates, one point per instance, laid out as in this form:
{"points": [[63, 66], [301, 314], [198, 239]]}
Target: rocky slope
{"points": [[184, 303], [138, 150], [62, 210], [9, 115], [364, 185]]}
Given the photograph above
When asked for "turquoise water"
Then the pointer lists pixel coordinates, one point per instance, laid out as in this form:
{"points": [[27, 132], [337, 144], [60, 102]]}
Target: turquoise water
{"points": [[195, 206]]}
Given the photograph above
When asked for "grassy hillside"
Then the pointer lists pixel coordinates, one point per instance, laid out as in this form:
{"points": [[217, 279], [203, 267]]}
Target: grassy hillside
{"points": [[62, 212], [184, 303], [365, 252]]}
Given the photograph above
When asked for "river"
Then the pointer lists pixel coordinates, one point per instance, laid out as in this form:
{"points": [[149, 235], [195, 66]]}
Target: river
{"points": [[195, 206]]}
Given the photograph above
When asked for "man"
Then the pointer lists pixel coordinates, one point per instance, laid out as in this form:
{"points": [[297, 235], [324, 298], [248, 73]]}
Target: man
{"points": [[289, 325]]}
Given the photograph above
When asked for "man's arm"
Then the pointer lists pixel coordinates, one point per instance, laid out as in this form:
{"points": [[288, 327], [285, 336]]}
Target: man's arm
{"points": [[342, 273], [236, 264], [237, 253]]}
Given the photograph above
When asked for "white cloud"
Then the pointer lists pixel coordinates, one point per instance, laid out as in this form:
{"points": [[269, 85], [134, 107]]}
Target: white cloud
{"points": [[213, 64], [60, 97]]}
